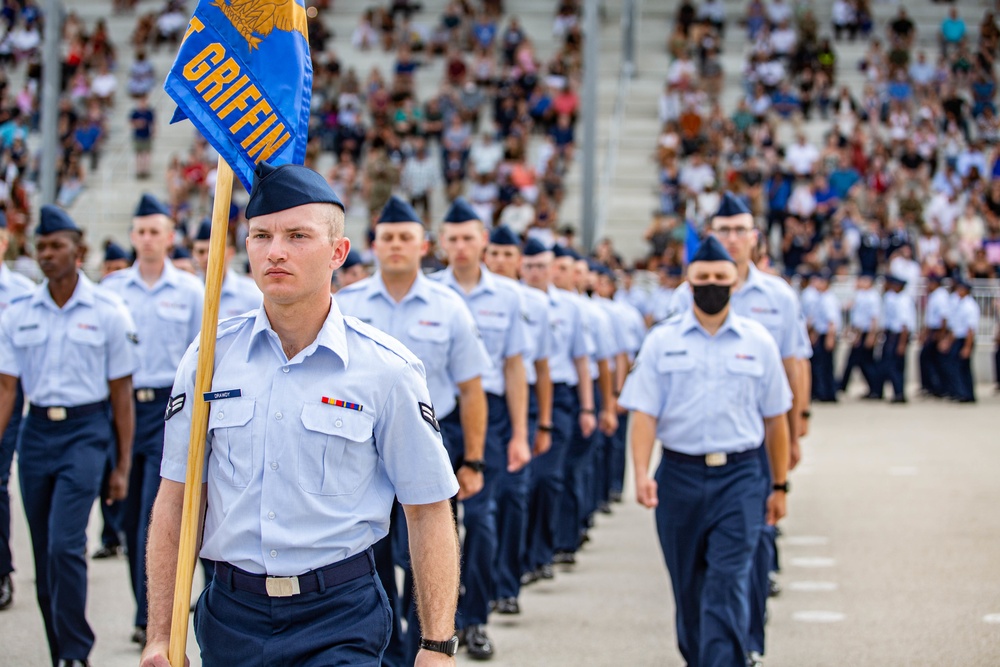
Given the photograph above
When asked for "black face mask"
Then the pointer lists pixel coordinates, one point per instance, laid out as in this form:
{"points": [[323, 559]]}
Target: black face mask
{"points": [[711, 298]]}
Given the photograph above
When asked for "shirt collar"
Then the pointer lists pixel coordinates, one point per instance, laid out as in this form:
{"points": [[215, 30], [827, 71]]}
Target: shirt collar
{"points": [[754, 280], [689, 322], [168, 277], [487, 281], [420, 289], [332, 335], [83, 294], [229, 282]]}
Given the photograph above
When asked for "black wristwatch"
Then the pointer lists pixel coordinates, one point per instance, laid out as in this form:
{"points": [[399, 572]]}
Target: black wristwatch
{"points": [[546, 428], [448, 647], [806, 414], [475, 465], [781, 487]]}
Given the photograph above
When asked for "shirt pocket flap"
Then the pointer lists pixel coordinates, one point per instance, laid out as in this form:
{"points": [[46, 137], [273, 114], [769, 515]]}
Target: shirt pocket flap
{"points": [[435, 333], [745, 365], [673, 362], [496, 323], [353, 425], [29, 335], [173, 312], [86, 333], [231, 412]]}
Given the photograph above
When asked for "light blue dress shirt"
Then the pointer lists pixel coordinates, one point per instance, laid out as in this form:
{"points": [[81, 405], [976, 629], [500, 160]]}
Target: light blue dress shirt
{"points": [[938, 304], [496, 307], [965, 317], [432, 322], [636, 297], [661, 303], [537, 329], [12, 285], [569, 337], [239, 295], [769, 300], [708, 393], [296, 482], [167, 316], [866, 307], [599, 331], [900, 312], [66, 356], [826, 313]]}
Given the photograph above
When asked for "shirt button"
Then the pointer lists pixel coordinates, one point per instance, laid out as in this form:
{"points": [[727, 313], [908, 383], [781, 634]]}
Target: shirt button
{"points": [[277, 415], [220, 415], [270, 515], [274, 554], [284, 369], [339, 423], [274, 465]]}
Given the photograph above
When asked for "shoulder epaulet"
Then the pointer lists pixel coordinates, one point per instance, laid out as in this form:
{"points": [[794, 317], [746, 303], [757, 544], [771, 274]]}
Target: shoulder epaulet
{"points": [[112, 277], [355, 287], [231, 325], [108, 296], [380, 337], [672, 317], [20, 298]]}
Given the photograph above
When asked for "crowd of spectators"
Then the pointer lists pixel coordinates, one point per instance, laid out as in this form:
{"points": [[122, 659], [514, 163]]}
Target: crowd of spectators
{"points": [[909, 164]]}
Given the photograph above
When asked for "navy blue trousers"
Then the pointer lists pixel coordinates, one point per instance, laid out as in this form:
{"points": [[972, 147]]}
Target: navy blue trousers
{"points": [[958, 373], [573, 506], [547, 485], [616, 456], [512, 518], [891, 367], [143, 484], [709, 521], [862, 358], [346, 624], [765, 561], [479, 513], [390, 552], [60, 465], [931, 371], [823, 385], [7, 446]]}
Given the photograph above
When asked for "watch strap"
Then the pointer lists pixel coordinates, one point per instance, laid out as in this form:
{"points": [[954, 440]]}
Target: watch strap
{"points": [[448, 646]]}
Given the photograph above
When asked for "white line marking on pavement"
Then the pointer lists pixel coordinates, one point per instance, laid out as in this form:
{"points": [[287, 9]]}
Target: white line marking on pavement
{"points": [[818, 616], [903, 471], [991, 618], [812, 586], [805, 540], [813, 562]]}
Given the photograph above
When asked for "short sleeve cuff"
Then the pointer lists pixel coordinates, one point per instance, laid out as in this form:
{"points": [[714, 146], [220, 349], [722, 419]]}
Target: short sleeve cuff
{"points": [[445, 489]]}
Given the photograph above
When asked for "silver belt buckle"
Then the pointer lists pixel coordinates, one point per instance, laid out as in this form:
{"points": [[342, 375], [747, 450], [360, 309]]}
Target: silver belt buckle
{"points": [[144, 395], [715, 460], [281, 587], [56, 414]]}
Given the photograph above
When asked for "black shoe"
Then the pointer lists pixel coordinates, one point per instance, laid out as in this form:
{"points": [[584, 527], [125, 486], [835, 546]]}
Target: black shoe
{"points": [[755, 659], [615, 496], [139, 635], [545, 572], [508, 606], [477, 643], [899, 400], [107, 551], [564, 558], [871, 397], [773, 588], [529, 578], [604, 508], [74, 663], [6, 592]]}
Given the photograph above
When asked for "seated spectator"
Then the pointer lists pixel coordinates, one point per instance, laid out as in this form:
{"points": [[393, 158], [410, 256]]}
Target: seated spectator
{"points": [[801, 156], [518, 214], [952, 31], [141, 76]]}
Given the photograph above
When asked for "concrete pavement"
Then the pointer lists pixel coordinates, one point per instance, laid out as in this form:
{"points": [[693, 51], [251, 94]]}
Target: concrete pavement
{"points": [[889, 558]]}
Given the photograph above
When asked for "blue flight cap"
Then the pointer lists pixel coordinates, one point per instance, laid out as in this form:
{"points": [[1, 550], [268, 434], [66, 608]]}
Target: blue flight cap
{"points": [[675, 271], [867, 274], [594, 265], [823, 274], [281, 188], [504, 235], [114, 252], [731, 205], [3, 220], [180, 252], [534, 247], [53, 219], [960, 282], [460, 211], [353, 259], [204, 230], [934, 278], [711, 250], [563, 251], [397, 210], [895, 280], [150, 205]]}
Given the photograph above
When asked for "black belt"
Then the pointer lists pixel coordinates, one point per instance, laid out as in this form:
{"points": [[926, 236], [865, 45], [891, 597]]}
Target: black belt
{"points": [[714, 460], [346, 570], [55, 413], [152, 394]]}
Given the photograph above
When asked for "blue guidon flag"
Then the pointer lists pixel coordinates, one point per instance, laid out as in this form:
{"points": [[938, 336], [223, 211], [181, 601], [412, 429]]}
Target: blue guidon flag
{"points": [[244, 77]]}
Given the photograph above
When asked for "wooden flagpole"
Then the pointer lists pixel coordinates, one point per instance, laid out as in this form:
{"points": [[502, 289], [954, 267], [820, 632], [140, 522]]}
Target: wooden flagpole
{"points": [[191, 518]]}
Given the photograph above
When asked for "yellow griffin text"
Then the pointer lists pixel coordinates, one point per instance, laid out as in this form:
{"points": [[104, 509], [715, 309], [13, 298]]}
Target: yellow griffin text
{"points": [[219, 80]]}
